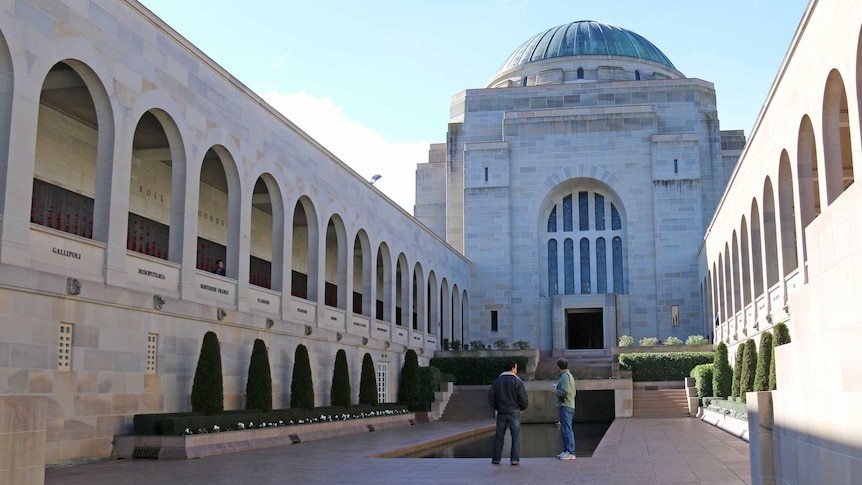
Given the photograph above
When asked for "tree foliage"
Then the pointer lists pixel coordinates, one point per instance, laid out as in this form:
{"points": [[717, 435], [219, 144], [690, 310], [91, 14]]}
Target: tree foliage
{"points": [[749, 366], [764, 360], [301, 385], [207, 388], [737, 369], [408, 391], [368, 382], [258, 388], [722, 374], [339, 393], [781, 337]]}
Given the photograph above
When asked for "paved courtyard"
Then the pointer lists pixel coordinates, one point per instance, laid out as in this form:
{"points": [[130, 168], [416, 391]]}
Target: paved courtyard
{"points": [[634, 451]]}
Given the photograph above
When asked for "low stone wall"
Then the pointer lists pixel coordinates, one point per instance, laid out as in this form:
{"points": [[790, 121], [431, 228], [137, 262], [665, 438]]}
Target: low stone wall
{"points": [[200, 445], [731, 425], [23, 438], [543, 409]]}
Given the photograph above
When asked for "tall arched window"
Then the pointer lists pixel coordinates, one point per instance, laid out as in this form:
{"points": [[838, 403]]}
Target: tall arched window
{"points": [[589, 264]]}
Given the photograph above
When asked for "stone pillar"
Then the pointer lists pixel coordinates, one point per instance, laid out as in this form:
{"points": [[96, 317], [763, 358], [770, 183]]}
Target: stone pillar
{"points": [[761, 445]]}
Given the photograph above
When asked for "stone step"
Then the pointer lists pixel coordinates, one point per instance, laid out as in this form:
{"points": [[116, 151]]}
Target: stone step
{"points": [[468, 405], [660, 403]]}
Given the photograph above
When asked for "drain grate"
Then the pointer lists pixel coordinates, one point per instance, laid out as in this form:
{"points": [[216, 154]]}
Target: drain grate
{"points": [[149, 452]]}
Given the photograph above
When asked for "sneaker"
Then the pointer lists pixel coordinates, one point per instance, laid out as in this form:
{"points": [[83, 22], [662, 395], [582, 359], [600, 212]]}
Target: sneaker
{"points": [[561, 455], [567, 456], [516, 463], [495, 462]]}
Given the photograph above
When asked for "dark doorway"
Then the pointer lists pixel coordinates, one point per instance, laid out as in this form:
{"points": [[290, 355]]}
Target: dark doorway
{"points": [[584, 329]]}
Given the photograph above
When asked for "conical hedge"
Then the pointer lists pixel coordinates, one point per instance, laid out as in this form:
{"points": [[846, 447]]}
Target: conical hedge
{"points": [[368, 382], [258, 388], [301, 385], [764, 360], [409, 389], [749, 366], [722, 374], [207, 388], [782, 336], [339, 393], [737, 369]]}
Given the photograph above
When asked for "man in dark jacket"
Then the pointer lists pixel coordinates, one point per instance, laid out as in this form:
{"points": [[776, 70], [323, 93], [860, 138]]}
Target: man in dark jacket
{"points": [[508, 397]]}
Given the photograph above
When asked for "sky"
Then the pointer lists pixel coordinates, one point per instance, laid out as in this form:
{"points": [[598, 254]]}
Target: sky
{"points": [[372, 81]]}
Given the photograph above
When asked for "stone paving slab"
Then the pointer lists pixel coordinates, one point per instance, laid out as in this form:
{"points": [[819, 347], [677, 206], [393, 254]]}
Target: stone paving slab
{"points": [[633, 451]]}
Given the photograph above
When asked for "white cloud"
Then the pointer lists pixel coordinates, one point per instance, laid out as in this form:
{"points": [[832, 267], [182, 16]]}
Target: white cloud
{"points": [[365, 150]]}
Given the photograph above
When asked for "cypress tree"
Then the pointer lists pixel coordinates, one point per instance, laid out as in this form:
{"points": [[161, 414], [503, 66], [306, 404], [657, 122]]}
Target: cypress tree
{"points": [[749, 365], [782, 336], [258, 388], [722, 374], [409, 389], [207, 388], [764, 360], [368, 382], [301, 385], [737, 369], [339, 393]]}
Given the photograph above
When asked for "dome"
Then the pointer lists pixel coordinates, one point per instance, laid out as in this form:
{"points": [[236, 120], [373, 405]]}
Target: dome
{"points": [[585, 38]]}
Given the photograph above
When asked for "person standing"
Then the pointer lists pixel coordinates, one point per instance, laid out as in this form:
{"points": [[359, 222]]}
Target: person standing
{"points": [[508, 397], [565, 392]]}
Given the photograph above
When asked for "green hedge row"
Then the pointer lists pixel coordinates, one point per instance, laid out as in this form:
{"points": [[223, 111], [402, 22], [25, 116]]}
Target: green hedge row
{"points": [[176, 423], [475, 370], [663, 366]]}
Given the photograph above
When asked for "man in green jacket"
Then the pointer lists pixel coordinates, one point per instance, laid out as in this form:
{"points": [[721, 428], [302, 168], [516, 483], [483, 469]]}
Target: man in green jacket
{"points": [[565, 392]]}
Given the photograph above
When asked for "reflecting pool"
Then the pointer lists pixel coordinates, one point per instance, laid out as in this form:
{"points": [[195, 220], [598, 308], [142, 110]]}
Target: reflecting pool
{"points": [[537, 440]]}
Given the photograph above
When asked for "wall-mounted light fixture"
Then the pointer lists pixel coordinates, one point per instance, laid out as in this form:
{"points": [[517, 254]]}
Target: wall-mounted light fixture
{"points": [[375, 178], [221, 313], [158, 302], [308, 330], [269, 323]]}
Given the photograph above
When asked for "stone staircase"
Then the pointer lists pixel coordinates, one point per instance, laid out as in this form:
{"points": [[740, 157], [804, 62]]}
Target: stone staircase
{"points": [[659, 403], [468, 403]]}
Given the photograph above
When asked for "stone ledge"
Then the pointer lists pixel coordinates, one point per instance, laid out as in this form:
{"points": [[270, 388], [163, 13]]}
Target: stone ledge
{"points": [[731, 425], [201, 445]]}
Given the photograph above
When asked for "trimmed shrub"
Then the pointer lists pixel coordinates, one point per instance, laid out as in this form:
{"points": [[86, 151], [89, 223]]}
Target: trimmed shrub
{"points": [[455, 345], [477, 344], [521, 344], [500, 344], [444, 377], [749, 366], [737, 370], [301, 385], [429, 383], [722, 374], [339, 393], [782, 334], [703, 375], [764, 359], [672, 341], [475, 370], [696, 340], [648, 342], [626, 341], [408, 391], [663, 366], [207, 388], [258, 389], [368, 382]]}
